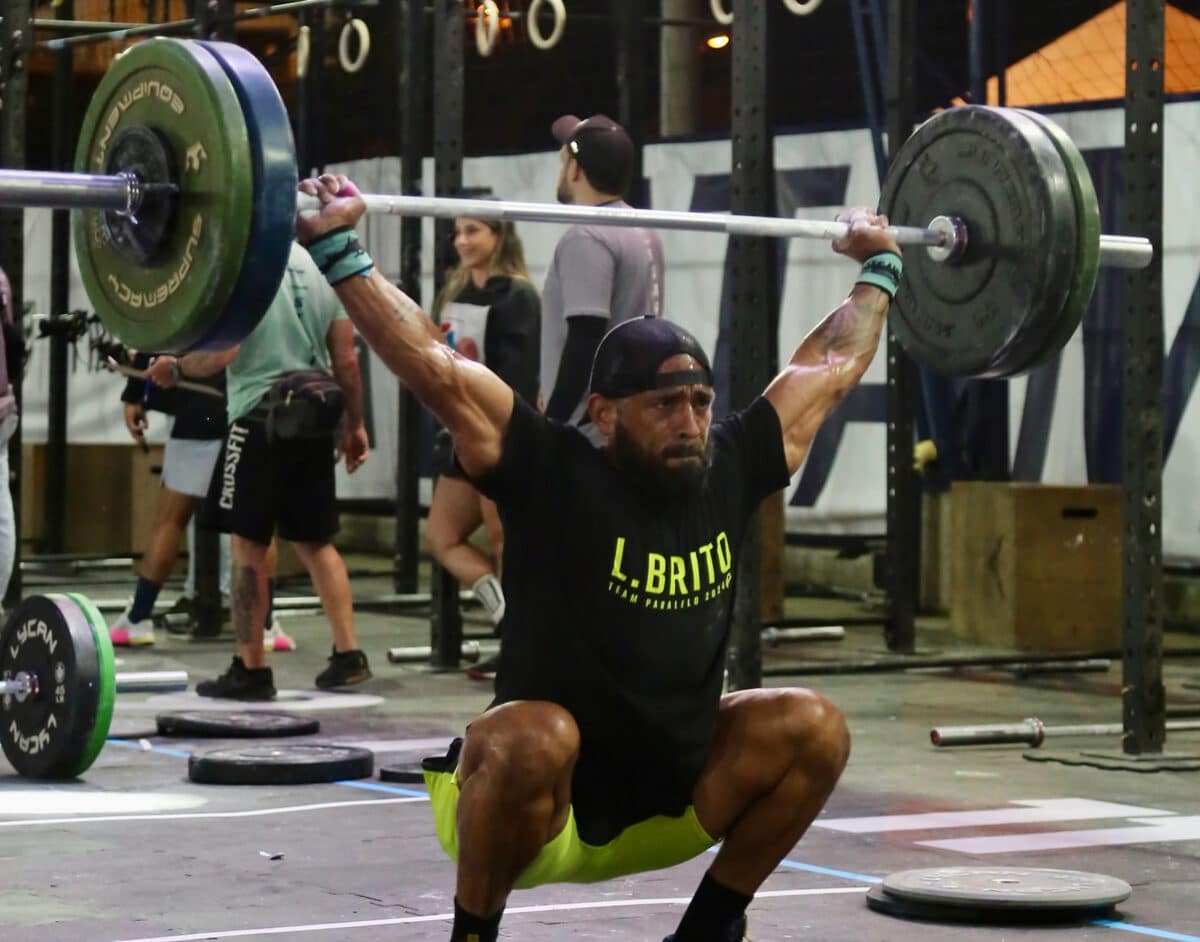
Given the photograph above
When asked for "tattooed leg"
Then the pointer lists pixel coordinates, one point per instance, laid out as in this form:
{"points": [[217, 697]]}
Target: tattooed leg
{"points": [[249, 601], [245, 597]]}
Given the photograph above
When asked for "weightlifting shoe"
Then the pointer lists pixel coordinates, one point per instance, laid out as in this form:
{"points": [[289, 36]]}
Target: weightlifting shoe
{"points": [[125, 633], [240, 683], [275, 640], [345, 668]]}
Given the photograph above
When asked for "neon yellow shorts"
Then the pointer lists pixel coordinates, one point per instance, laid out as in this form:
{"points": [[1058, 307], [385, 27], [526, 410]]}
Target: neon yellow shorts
{"points": [[652, 844]]}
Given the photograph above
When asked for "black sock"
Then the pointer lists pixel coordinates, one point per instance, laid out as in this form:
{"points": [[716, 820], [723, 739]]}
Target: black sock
{"points": [[144, 597], [270, 604], [471, 928], [714, 914]]}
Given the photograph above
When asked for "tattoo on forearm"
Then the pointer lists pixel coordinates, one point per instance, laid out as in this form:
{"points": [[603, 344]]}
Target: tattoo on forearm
{"points": [[852, 329], [245, 597]]}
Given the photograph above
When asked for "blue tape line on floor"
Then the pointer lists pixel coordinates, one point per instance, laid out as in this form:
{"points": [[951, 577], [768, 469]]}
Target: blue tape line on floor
{"points": [[128, 744], [826, 871], [844, 874], [378, 787], [1146, 930]]}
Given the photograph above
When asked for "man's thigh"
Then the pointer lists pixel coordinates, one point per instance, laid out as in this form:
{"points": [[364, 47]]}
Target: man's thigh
{"points": [[753, 747], [243, 498]]}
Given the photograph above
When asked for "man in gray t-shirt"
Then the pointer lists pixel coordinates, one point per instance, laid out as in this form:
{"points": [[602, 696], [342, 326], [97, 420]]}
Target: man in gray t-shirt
{"points": [[600, 275]]}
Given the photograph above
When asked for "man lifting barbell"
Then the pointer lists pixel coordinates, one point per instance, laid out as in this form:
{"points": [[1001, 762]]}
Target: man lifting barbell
{"points": [[601, 756], [607, 751]]}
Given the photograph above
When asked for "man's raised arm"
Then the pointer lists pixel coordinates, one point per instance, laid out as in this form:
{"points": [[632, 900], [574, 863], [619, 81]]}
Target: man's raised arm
{"points": [[833, 357], [472, 402]]}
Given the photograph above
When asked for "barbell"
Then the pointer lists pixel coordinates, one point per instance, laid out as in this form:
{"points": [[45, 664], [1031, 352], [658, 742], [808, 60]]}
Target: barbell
{"points": [[57, 684], [1033, 732], [185, 200]]}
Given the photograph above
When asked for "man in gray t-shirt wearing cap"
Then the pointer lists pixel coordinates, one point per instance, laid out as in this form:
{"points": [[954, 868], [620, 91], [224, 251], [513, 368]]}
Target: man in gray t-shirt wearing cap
{"points": [[600, 275]]}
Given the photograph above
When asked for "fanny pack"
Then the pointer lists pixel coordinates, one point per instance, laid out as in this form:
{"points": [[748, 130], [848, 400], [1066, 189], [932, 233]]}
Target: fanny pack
{"points": [[304, 404]]}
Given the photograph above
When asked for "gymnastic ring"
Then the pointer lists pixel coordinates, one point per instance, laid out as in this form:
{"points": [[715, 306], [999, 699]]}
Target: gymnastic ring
{"points": [[720, 14], [360, 29], [560, 22], [802, 7], [303, 45], [487, 27]]}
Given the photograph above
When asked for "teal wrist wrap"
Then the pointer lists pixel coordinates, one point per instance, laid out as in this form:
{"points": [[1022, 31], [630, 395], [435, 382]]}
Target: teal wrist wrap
{"points": [[340, 256], [883, 271]]}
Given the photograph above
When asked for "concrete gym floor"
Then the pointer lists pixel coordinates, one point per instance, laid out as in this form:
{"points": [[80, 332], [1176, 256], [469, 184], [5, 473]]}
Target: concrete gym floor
{"points": [[134, 851]]}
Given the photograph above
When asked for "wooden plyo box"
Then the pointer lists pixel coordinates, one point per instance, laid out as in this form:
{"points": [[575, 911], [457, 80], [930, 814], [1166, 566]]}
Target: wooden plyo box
{"points": [[112, 497], [1036, 567]]}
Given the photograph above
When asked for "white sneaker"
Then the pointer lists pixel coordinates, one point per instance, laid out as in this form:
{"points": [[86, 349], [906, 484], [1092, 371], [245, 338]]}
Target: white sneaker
{"points": [[126, 633], [275, 640]]}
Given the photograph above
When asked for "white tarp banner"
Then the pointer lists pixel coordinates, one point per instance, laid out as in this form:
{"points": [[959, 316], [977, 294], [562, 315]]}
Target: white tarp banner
{"points": [[818, 174]]}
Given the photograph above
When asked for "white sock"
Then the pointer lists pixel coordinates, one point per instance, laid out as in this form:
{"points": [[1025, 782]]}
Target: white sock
{"points": [[490, 595]]}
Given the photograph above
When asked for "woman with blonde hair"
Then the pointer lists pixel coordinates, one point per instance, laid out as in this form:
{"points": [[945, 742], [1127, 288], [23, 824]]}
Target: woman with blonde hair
{"points": [[489, 311]]}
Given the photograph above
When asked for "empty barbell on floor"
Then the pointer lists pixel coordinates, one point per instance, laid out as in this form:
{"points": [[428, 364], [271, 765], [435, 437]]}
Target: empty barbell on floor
{"points": [[773, 635], [186, 202], [1033, 732], [470, 651], [57, 685]]}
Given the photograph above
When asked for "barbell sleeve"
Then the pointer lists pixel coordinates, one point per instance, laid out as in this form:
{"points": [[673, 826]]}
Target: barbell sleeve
{"points": [[152, 681], [129, 682], [21, 683], [1125, 251], [28, 188]]}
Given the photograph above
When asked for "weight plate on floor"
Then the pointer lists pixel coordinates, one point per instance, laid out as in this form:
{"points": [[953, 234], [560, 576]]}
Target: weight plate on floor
{"points": [[882, 902], [1087, 251], [1005, 179], [273, 213], [408, 774], [178, 91], [298, 764], [1007, 887], [108, 679], [58, 731], [247, 724]]}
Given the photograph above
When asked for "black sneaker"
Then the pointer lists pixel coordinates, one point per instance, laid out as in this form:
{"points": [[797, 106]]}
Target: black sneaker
{"points": [[240, 683], [176, 619], [345, 668]]}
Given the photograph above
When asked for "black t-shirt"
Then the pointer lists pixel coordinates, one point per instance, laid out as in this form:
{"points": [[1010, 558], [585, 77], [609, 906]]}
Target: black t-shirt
{"points": [[512, 339], [197, 416], [618, 605]]}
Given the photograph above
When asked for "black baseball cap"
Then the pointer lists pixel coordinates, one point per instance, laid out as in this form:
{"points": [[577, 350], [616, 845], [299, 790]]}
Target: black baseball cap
{"points": [[601, 146], [630, 354]]}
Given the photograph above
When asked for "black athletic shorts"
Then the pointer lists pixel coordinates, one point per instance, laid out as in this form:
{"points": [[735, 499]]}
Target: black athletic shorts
{"points": [[258, 488], [444, 464]]}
